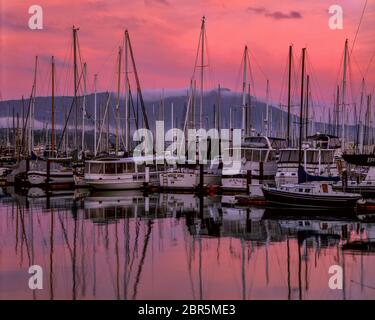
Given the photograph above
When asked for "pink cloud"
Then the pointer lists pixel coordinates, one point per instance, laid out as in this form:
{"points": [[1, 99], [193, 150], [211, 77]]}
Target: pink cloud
{"points": [[165, 33]]}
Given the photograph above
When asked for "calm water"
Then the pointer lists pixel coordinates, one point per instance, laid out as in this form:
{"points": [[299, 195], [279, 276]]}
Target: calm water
{"points": [[122, 245]]}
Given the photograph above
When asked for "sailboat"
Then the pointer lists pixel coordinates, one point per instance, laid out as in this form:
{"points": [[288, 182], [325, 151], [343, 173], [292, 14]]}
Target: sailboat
{"points": [[53, 170], [189, 175], [308, 194], [257, 152], [258, 161]]}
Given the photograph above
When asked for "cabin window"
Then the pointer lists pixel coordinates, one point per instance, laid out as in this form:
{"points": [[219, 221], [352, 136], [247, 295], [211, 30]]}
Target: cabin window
{"points": [[119, 168], [141, 168], [131, 166], [327, 156], [312, 156], [300, 190], [110, 168], [97, 168], [278, 144], [307, 190], [289, 156], [271, 156], [254, 155]]}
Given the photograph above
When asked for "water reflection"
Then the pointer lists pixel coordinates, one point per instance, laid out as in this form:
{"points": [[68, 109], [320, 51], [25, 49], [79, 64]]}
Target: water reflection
{"points": [[128, 245]]}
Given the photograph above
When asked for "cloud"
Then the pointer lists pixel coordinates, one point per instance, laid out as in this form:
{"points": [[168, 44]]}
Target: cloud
{"points": [[277, 15], [258, 10]]}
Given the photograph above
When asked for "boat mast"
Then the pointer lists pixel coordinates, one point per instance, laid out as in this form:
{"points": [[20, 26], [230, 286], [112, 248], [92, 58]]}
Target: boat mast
{"points": [[307, 106], [202, 71], [127, 127], [301, 108], [118, 99], [84, 106], [337, 113], [53, 107], [66, 137], [95, 113], [143, 107], [75, 84], [289, 91], [244, 88], [217, 115], [32, 111], [343, 95], [13, 128], [266, 129], [360, 129], [370, 129]]}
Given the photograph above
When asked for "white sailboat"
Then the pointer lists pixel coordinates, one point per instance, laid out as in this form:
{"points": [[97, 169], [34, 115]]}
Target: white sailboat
{"points": [[58, 173], [258, 161], [187, 177]]}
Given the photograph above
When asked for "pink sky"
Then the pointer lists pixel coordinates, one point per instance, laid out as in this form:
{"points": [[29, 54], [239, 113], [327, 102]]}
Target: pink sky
{"points": [[164, 34]]}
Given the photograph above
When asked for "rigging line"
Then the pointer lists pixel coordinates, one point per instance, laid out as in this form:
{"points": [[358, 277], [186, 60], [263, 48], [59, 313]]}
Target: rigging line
{"points": [[63, 62], [351, 86], [79, 53], [314, 82], [196, 57], [70, 110], [259, 66], [296, 86], [369, 64], [338, 73], [238, 82], [357, 64], [67, 70], [211, 74], [359, 25], [251, 80], [283, 79]]}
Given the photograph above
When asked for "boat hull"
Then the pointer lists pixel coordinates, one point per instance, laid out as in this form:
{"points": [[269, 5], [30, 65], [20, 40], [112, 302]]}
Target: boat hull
{"points": [[108, 184], [40, 178], [234, 183], [360, 159], [186, 181], [282, 198], [362, 188]]}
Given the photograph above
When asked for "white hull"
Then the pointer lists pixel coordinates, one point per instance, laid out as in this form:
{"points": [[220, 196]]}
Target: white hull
{"points": [[184, 180], [109, 184], [128, 181], [40, 177], [232, 183]]}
